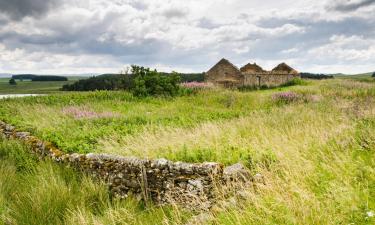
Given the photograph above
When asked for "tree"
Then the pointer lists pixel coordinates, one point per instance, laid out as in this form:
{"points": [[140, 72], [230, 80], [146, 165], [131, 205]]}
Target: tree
{"points": [[12, 81], [373, 75], [151, 83]]}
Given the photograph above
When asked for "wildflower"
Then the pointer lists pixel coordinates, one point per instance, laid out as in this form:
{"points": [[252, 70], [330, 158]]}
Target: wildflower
{"points": [[85, 113], [286, 97], [196, 85]]}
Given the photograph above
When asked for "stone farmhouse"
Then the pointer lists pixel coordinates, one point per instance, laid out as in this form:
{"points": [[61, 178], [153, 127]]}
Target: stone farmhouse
{"points": [[225, 74]]}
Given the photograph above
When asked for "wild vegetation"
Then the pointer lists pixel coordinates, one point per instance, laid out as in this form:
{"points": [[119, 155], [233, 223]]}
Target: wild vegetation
{"points": [[313, 143]]}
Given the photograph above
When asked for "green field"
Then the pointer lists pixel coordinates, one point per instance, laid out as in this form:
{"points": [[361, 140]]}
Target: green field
{"points": [[316, 149], [33, 87]]}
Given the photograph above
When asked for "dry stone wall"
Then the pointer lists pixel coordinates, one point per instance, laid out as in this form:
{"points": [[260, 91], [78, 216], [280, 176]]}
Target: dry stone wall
{"points": [[268, 79], [160, 180]]}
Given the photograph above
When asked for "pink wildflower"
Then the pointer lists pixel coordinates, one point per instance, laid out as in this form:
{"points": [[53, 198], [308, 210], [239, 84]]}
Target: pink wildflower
{"points": [[85, 113]]}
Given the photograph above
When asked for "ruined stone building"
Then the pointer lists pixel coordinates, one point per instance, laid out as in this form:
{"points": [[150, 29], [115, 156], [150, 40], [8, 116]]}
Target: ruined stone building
{"points": [[225, 74]]}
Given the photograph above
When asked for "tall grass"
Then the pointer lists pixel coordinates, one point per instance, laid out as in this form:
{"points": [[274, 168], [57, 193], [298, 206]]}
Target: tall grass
{"points": [[33, 192], [316, 155]]}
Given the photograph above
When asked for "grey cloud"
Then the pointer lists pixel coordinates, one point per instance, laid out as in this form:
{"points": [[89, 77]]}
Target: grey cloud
{"points": [[207, 23], [18, 9], [346, 6], [174, 13]]}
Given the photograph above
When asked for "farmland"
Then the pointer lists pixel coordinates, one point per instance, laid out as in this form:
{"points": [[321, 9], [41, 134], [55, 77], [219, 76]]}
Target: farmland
{"points": [[32, 87], [313, 143]]}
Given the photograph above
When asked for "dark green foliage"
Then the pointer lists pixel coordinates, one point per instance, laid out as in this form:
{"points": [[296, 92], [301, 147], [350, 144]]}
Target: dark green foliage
{"points": [[373, 75], [151, 83], [102, 82], [24, 76], [49, 78], [33, 77], [122, 82], [189, 77], [316, 76], [12, 82]]}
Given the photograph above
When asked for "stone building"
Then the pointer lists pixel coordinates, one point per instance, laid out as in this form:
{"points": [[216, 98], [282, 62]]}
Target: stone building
{"points": [[225, 74]]}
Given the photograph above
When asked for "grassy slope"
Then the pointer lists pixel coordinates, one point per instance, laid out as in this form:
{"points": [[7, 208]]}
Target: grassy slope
{"points": [[361, 77], [317, 156], [28, 87]]}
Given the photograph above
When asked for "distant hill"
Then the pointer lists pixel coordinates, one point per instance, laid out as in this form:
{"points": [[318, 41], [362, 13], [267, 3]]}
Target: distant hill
{"points": [[361, 76], [353, 75]]}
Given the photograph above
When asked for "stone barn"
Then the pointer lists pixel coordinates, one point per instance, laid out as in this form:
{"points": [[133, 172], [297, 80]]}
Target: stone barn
{"points": [[225, 74]]}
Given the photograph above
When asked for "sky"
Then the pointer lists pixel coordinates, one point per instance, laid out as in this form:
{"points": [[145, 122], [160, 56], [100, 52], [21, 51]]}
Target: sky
{"points": [[105, 36]]}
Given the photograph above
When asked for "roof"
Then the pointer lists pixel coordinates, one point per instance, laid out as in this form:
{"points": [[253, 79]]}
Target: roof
{"points": [[225, 62], [283, 67], [252, 68]]}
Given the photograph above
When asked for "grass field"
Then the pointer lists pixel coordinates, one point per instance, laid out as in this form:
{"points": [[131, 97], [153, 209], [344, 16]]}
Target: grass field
{"points": [[33, 87], [359, 77], [315, 147]]}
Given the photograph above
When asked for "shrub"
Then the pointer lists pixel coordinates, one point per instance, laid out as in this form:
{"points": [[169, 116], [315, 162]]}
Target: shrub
{"points": [[12, 82], [166, 83], [151, 83]]}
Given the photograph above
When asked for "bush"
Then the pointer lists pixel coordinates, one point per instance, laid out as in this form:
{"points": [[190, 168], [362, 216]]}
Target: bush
{"points": [[12, 82], [166, 83], [151, 83]]}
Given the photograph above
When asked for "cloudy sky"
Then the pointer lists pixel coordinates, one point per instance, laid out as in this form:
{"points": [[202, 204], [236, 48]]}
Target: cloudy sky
{"points": [[83, 36]]}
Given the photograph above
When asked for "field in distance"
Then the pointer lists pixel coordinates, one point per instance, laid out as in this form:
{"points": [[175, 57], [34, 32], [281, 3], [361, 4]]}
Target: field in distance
{"points": [[33, 87]]}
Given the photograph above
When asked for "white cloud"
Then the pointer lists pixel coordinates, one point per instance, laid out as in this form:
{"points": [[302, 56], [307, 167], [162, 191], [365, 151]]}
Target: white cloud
{"points": [[190, 35], [343, 48]]}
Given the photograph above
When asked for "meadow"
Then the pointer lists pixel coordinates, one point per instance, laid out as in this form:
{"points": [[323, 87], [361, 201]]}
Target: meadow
{"points": [[314, 144]]}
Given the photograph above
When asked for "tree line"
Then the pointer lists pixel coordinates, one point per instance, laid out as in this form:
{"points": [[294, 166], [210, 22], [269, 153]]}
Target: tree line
{"points": [[141, 82], [34, 77]]}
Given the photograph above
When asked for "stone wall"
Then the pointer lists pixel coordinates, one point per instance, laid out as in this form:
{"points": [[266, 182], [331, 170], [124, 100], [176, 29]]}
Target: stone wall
{"points": [[268, 79], [162, 181]]}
